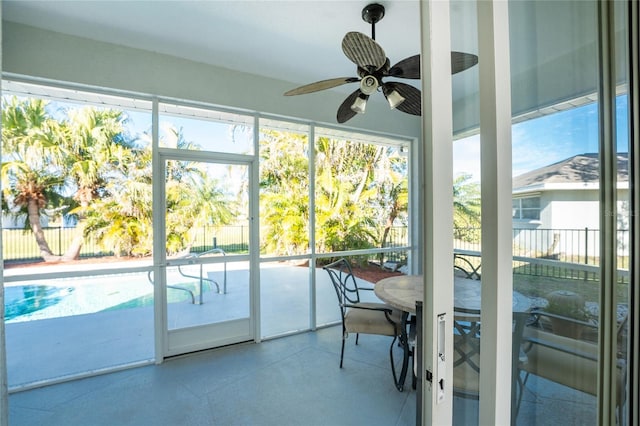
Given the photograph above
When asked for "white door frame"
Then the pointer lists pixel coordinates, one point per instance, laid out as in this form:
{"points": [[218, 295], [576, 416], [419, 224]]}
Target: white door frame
{"points": [[495, 95], [167, 342]]}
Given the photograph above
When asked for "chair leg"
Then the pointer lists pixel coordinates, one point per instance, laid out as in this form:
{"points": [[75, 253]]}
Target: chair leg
{"points": [[396, 380], [521, 383], [342, 350], [357, 335]]}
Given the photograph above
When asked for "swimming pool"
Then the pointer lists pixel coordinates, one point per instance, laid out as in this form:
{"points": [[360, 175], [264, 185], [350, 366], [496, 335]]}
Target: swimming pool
{"points": [[60, 298]]}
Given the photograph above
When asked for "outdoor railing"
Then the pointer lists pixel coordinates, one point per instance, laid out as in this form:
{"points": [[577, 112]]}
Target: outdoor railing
{"points": [[20, 246], [566, 246]]}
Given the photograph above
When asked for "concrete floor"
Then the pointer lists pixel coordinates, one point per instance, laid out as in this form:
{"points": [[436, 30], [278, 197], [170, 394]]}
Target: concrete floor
{"points": [[293, 380]]}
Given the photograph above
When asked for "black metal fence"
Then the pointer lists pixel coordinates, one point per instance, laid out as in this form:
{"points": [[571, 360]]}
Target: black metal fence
{"points": [[559, 253], [20, 246], [577, 246], [232, 239], [567, 245]]}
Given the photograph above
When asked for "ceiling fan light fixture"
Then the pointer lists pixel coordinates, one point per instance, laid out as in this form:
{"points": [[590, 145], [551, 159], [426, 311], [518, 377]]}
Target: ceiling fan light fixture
{"points": [[394, 98], [359, 105]]}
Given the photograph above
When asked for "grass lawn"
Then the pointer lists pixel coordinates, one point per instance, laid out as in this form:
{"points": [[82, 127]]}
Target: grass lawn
{"points": [[537, 286]]}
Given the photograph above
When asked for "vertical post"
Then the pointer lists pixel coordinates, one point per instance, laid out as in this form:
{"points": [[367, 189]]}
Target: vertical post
{"points": [[417, 359], [633, 412], [159, 239], [586, 246], [586, 251], [437, 202], [607, 341], [4, 393], [496, 193]]}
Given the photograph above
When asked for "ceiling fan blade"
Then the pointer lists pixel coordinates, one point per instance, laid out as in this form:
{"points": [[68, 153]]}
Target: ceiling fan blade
{"points": [[410, 67], [461, 61], [412, 99], [406, 68], [344, 111], [363, 51], [321, 85]]}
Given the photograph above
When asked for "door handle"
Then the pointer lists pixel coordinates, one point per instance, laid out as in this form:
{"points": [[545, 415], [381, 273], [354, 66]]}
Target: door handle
{"points": [[441, 367]]}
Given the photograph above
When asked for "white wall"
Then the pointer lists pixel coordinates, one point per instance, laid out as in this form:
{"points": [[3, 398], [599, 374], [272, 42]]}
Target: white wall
{"points": [[35, 52], [571, 210]]}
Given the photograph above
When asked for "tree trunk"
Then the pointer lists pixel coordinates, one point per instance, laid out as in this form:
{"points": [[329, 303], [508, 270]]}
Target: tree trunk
{"points": [[387, 229], [73, 251], [34, 221], [84, 197]]}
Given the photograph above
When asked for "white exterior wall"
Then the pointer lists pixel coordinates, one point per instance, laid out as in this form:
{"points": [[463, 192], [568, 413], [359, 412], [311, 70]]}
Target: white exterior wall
{"points": [[576, 209], [570, 217]]}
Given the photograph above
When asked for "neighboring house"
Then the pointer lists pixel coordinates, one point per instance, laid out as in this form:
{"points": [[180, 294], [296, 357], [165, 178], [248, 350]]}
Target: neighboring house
{"points": [[560, 202]]}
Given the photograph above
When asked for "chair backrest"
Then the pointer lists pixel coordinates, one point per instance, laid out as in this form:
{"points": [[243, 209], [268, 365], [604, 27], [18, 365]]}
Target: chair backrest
{"points": [[466, 350], [570, 361], [343, 281]]}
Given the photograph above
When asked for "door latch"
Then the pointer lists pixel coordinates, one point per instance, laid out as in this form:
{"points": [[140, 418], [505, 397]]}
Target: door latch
{"points": [[441, 367]]}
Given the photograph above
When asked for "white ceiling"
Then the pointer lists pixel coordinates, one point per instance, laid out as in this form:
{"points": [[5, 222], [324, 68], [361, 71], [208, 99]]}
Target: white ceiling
{"points": [[297, 41], [552, 44]]}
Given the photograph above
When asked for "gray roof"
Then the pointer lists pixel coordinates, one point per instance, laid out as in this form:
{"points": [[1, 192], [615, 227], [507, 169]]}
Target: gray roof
{"points": [[583, 168]]}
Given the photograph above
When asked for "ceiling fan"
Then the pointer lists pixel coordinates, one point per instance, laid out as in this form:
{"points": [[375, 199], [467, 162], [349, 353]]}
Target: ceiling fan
{"points": [[373, 66]]}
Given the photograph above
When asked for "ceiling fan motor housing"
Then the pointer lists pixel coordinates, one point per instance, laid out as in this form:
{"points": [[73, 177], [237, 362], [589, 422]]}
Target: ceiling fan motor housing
{"points": [[369, 84]]}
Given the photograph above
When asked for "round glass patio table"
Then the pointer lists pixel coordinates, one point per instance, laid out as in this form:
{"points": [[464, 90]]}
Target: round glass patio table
{"points": [[403, 291]]}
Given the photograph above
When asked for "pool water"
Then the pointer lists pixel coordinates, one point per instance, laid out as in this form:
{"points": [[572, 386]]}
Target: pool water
{"points": [[26, 299], [42, 301]]}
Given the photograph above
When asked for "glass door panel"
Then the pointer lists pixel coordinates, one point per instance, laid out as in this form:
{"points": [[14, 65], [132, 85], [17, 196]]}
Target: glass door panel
{"points": [[207, 276]]}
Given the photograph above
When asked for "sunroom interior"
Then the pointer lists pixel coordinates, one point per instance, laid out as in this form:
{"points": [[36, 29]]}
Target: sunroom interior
{"points": [[253, 338]]}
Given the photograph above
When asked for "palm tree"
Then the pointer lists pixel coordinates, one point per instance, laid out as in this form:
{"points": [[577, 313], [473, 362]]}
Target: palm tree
{"points": [[32, 179], [121, 220], [284, 192], [94, 147], [345, 214], [466, 208], [393, 195]]}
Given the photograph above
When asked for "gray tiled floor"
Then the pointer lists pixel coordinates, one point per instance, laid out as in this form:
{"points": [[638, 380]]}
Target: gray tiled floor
{"points": [[287, 381], [292, 380]]}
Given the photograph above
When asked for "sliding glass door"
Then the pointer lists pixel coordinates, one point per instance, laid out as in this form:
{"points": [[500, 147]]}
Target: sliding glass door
{"points": [[561, 160]]}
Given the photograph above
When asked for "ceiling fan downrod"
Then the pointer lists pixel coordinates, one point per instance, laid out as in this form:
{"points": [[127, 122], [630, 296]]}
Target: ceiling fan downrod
{"points": [[372, 14]]}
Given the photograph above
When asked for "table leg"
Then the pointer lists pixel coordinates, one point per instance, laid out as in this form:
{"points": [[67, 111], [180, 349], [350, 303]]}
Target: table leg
{"points": [[404, 342]]}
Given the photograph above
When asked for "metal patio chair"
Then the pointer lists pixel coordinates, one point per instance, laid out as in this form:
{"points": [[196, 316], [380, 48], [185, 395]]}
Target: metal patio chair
{"points": [[363, 317], [466, 355], [569, 361]]}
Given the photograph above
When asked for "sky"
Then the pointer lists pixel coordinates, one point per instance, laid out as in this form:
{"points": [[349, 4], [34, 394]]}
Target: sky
{"points": [[535, 143], [545, 140]]}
